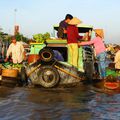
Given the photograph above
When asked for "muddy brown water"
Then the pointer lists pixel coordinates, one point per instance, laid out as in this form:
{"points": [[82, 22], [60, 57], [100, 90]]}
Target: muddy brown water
{"points": [[84, 102]]}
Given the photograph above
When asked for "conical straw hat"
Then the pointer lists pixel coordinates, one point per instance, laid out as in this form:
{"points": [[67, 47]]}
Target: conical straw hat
{"points": [[75, 21], [99, 32]]}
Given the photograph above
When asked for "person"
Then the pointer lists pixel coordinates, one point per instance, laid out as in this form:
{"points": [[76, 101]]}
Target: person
{"points": [[87, 36], [58, 56], [72, 40], [15, 49], [100, 51], [1, 46], [62, 30], [117, 57]]}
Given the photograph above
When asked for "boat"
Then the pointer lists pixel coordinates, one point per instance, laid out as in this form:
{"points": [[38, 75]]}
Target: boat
{"points": [[52, 67]]}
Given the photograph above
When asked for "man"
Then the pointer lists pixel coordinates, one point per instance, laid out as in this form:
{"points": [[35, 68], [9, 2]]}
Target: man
{"points": [[62, 30], [1, 45], [58, 56], [15, 49], [72, 40], [117, 57]]}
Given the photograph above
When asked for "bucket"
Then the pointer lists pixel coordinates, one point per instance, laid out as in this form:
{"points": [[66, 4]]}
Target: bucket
{"points": [[9, 72], [33, 58]]}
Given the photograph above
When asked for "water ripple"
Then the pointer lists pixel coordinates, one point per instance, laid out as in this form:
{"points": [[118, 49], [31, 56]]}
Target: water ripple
{"points": [[58, 104]]}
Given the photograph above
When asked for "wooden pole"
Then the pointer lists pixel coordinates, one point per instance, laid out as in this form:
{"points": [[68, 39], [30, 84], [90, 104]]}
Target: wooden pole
{"points": [[33, 70], [67, 72]]}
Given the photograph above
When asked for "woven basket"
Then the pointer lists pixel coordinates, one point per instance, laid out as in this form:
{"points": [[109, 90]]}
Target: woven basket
{"points": [[9, 72]]}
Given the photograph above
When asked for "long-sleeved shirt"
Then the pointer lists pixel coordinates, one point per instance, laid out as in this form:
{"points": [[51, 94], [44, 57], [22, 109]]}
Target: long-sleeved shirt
{"points": [[98, 45], [17, 51], [117, 60], [62, 26], [72, 34]]}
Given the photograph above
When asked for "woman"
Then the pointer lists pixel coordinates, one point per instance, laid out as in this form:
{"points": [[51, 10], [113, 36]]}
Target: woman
{"points": [[72, 39], [100, 51]]}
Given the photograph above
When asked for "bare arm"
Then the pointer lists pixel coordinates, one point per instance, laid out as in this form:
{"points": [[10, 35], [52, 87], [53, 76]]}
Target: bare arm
{"points": [[8, 53], [87, 43]]}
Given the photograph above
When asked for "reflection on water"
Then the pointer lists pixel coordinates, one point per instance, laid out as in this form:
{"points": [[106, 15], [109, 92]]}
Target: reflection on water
{"points": [[105, 107], [81, 103]]}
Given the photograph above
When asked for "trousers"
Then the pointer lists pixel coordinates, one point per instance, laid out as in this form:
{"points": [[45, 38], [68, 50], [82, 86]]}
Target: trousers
{"points": [[73, 54], [102, 64]]}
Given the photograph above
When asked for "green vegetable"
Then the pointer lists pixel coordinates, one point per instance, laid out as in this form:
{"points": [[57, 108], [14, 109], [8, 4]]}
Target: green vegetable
{"points": [[41, 37], [46, 36]]}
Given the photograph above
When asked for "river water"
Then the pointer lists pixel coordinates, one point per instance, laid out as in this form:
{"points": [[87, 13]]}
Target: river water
{"points": [[85, 102]]}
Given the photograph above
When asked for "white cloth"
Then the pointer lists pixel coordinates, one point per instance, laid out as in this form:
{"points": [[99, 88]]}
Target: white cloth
{"points": [[17, 51], [117, 60]]}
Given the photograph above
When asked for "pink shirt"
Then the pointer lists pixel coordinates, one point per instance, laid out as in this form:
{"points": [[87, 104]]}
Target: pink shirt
{"points": [[98, 44]]}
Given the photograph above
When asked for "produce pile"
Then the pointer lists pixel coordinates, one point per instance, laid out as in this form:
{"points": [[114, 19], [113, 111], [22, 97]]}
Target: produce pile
{"points": [[9, 65], [40, 38], [110, 72]]}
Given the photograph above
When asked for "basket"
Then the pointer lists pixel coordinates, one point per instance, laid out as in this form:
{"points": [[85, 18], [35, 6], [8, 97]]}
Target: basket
{"points": [[111, 85], [9, 72]]}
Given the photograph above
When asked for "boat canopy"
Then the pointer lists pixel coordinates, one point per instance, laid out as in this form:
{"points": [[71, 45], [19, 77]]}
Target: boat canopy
{"points": [[82, 28]]}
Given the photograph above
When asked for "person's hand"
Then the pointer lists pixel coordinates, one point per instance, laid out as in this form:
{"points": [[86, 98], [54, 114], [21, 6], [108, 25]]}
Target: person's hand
{"points": [[79, 43], [6, 59], [25, 58], [64, 30]]}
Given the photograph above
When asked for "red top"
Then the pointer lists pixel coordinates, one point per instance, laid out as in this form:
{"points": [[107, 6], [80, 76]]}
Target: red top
{"points": [[72, 34]]}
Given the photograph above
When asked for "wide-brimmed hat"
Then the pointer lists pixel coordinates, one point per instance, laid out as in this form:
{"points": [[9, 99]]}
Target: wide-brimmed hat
{"points": [[75, 21], [117, 47], [99, 32]]}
